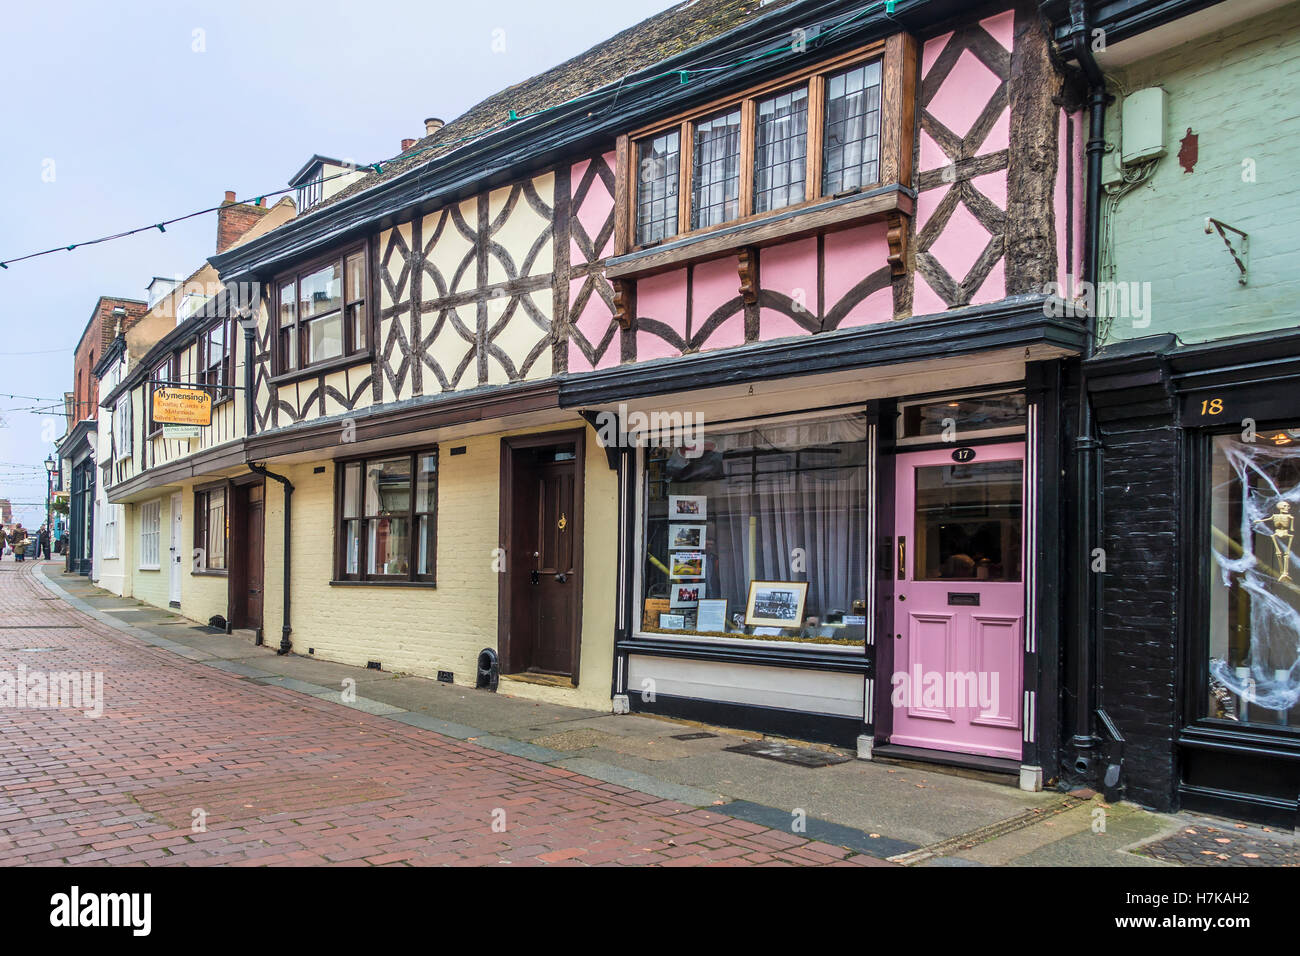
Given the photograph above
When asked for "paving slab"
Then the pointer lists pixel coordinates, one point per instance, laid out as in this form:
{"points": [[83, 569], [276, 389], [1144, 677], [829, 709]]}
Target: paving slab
{"points": [[237, 667], [655, 786], [363, 704], [508, 745], [292, 683], [326, 673], [444, 727], [494, 713]]}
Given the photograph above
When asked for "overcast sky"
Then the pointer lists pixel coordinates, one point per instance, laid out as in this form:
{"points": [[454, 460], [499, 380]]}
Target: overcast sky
{"points": [[116, 115]]}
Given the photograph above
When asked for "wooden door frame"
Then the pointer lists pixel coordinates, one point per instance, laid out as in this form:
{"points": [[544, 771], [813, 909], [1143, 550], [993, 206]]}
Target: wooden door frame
{"points": [[509, 446], [237, 546]]}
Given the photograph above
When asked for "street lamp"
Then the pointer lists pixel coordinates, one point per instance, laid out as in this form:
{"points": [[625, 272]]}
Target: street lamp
{"points": [[49, 514]]}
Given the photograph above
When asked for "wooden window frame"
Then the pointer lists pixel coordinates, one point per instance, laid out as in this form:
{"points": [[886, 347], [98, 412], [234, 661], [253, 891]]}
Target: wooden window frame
{"points": [[172, 375], [897, 56], [156, 506], [412, 578], [351, 354], [211, 373], [202, 505]]}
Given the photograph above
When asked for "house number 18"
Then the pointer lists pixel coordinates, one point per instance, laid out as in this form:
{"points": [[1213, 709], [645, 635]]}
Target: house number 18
{"points": [[1212, 406]]}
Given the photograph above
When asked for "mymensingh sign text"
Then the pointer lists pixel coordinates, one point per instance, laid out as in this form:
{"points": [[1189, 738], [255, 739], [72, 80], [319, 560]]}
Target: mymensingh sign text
{"points": [[182, 406]]}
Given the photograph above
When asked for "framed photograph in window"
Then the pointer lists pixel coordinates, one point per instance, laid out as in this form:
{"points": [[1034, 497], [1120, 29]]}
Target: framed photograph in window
{"points": [[687, 564], [775, 603], [688, 507], [686, 537], [686, 595]]}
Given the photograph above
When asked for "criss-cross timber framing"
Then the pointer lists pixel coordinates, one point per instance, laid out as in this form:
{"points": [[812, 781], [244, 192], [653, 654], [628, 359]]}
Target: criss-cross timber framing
{"points": [[964, 163]]}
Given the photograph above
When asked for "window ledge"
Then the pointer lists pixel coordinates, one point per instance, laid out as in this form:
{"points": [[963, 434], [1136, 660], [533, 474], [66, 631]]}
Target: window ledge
{"points": [[322, 368], [429, 585], [792, 223], [209, 574]]}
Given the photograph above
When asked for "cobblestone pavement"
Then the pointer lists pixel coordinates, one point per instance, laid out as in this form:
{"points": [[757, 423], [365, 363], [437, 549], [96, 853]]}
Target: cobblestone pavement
{"points": [[1223, 843], [276, 777]]}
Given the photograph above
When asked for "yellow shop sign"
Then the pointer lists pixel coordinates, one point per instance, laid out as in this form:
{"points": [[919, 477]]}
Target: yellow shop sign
{"points": [[182, 406]]}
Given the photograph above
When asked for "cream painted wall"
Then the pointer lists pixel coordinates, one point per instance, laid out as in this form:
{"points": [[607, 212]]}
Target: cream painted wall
{"points": [[151, 586], [421, 631]]}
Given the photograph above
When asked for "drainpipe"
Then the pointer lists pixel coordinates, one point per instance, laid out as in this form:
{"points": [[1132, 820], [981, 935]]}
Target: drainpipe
{"points": [[1085, 643], [257, 469], [249, 324]]}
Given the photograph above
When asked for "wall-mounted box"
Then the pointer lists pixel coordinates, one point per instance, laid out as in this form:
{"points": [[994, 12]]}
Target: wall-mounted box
{"points": [[1142, 123]]}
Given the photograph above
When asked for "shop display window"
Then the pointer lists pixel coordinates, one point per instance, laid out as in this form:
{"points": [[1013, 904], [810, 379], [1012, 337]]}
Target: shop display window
{"points": [[1254, 594], [759, 532]]}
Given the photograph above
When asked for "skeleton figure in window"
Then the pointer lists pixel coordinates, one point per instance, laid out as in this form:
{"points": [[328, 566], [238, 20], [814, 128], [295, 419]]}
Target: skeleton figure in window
{"points": [[1281, 521]]}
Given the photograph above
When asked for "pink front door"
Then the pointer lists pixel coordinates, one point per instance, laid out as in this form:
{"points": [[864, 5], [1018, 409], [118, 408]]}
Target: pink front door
{"points": [[959, 610]]}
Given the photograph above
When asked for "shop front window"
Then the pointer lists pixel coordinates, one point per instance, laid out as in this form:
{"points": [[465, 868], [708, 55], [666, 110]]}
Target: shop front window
{"points": [[758, 532], [1254, 595]]}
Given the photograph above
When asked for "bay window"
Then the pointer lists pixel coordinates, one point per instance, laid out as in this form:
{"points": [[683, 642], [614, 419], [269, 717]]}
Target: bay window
{"points": [[813, 135], [387, 518], [758, 532], [321, 313]]}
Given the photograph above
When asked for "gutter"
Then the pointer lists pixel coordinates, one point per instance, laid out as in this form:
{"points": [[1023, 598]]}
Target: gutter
{"points": [[286, 629]]}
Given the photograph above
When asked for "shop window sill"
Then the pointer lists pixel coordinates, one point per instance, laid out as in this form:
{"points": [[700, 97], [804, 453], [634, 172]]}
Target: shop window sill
{"points": [[431, 585]]}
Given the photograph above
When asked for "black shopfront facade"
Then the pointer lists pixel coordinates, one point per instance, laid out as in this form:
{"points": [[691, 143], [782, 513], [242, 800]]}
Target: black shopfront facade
{"points": [[1198, 649], [77, 450]]}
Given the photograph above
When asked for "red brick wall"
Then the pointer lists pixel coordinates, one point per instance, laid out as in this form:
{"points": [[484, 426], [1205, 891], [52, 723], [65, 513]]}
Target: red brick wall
{"points": [[98, 335]]}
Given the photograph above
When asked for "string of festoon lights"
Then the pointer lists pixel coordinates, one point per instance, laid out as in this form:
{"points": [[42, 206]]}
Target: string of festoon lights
{"points": [[683, 74]]}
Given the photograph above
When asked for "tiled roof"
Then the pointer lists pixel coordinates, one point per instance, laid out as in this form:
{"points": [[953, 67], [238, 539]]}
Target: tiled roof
{"points": [[650, 41]]}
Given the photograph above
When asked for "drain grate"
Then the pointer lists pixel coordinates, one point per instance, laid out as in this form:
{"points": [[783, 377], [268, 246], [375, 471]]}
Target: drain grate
{"points": [[785, 753], [699, 736]]}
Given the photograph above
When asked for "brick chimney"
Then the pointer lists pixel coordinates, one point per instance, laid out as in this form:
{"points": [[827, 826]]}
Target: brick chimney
{"points": [[234, 219], [407, 144]]}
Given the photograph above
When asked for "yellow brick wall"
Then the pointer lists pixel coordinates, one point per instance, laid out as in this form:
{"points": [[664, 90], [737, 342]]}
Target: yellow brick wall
{"points": [[421, 631]]}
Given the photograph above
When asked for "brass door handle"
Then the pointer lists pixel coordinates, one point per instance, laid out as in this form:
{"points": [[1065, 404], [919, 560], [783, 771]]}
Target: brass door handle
{"points": [[902, 558]]}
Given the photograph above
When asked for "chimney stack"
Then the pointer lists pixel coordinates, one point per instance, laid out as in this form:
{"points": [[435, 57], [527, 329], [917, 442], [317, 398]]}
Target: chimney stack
{"points": [[407, 144], [432, 125], [234, 219]]}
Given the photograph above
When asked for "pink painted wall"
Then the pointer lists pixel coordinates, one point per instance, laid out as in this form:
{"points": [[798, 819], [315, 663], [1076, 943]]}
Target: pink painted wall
{"points": [[591, 199]]}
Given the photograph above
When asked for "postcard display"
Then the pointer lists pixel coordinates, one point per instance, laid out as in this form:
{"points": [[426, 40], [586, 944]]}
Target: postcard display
{"points": [[759, 533]]}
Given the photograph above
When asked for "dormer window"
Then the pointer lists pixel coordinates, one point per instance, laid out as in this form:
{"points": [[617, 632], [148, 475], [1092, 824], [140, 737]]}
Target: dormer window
{"points": [[807, 137], [310, 192]]}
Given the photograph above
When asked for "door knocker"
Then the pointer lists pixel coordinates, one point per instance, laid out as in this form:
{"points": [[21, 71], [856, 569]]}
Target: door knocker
{"points": [[563, 522]]}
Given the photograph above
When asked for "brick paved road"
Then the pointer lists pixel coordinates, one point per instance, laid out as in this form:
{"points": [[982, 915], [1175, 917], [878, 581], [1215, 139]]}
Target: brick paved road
{"points": [[289, 779]]}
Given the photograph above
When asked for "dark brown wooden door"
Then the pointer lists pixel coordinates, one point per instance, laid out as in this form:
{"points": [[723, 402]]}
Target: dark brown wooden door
{"points": [[544, 562], [247, 542]]}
